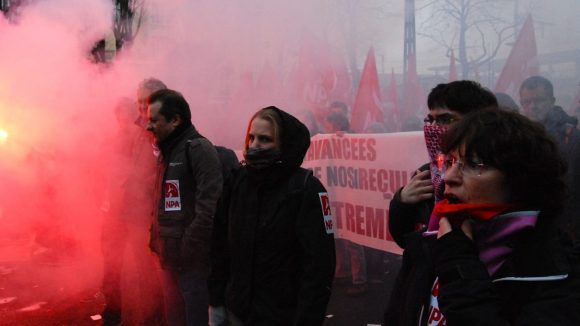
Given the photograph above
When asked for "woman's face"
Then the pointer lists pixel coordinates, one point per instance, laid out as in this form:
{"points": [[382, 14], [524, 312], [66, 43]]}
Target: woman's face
{"points": [[261, 134], [473, 182]]}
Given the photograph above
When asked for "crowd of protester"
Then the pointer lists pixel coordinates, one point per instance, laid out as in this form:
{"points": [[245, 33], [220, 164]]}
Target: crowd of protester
{"points": [[489, 226]]}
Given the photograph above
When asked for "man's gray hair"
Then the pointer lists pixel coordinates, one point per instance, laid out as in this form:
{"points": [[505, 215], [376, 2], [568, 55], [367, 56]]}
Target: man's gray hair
{"points": [[152, 84]]}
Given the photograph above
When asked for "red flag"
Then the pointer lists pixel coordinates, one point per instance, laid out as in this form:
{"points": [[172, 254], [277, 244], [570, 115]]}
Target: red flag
{"points": [[391, 105], [414, 97], [367, 104], [319, 77], [341, 89], [521, 63], [452, 68]]}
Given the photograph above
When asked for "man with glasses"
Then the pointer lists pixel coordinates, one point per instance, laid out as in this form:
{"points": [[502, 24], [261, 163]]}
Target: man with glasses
{"points": [[538, 102], [411, 206], [448, 103]]}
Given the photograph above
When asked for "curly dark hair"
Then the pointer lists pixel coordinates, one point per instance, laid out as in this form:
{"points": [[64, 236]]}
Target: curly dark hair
{"points": [[520, 148]]}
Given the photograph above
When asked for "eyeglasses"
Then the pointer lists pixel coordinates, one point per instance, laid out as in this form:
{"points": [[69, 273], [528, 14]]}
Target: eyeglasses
{"points": [[466, 168], [442, 120]]}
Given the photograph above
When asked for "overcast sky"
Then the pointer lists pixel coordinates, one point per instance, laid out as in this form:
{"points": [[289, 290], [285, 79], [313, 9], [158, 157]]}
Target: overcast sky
{"points": [[557, 27]]}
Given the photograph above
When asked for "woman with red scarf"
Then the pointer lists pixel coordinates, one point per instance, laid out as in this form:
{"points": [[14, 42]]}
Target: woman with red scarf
{"points": [[496, 253]]}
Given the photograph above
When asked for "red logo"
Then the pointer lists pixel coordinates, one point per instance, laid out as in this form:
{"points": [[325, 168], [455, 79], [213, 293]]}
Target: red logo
{"points": [[171, 190], [325, 205]]}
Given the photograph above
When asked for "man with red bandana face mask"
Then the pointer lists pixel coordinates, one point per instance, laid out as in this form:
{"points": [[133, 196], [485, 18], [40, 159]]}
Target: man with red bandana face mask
{"points": [[411, 207]]}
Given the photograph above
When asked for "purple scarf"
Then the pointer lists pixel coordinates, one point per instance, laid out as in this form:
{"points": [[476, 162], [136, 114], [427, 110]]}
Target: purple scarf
{"points": [[492, 236]]}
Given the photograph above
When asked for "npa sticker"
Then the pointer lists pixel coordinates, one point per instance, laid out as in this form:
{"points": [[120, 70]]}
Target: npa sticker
{"points": [[436, 317], [325, 203], [172, 197]]}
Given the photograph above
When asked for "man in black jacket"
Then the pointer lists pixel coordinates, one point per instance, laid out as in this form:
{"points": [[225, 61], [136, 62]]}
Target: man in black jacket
{"points": [[189, 185], [538, 102], [411, 206]]}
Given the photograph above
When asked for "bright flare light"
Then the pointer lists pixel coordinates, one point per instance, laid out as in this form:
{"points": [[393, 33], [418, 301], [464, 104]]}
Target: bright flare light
{"points": [[3, 136]]}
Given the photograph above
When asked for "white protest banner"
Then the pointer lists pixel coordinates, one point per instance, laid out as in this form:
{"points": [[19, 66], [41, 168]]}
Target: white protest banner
{"points": [[362, 172]]}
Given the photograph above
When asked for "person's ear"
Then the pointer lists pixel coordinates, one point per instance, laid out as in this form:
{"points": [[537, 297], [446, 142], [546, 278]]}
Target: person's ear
{"points": [[177, 120]]}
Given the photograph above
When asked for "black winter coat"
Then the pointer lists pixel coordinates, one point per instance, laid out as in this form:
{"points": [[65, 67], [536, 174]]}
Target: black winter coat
{"points": [[272, 257], [405, 218], [190, 184], [536, 285]]}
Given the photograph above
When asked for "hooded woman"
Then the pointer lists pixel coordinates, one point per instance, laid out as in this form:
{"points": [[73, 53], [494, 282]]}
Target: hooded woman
{"points": [[273, 244]]}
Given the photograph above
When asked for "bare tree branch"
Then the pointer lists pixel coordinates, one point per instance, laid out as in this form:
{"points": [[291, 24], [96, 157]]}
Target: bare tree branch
{"points": [[482, 27]]}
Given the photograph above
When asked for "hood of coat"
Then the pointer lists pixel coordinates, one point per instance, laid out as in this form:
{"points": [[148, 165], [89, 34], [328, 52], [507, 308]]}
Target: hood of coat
{"points": [[294, 140]]}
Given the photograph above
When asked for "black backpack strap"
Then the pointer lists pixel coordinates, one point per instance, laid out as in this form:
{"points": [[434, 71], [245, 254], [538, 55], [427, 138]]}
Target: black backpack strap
{"points": [[188, 150], [228, 160], [298, 180]]}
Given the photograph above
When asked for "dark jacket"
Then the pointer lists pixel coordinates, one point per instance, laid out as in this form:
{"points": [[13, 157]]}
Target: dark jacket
{"points": [[410, 293], [409, 299], [406, 218], [534, 286], [272, 258], [132, 167], [190, 184], [228, 160], [562, 128]]}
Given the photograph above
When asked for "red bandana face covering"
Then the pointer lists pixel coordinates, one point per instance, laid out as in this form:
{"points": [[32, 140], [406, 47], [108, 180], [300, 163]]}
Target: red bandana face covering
{"points": [[459, 212], [433, 135]]}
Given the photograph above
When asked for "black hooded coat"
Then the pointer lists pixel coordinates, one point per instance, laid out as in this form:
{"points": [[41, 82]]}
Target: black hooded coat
{"points": [[272, 259]]}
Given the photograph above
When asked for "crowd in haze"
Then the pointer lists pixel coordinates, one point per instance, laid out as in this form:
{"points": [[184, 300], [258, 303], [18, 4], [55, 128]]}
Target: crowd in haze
{"points": [[488, 226], [119, 198]]}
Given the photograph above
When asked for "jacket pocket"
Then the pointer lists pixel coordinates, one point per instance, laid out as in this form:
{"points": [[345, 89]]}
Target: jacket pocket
{"points": [[170, 246]]}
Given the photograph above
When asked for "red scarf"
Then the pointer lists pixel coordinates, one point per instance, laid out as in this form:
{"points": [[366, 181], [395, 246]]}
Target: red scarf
{"points": [[459, 212]]}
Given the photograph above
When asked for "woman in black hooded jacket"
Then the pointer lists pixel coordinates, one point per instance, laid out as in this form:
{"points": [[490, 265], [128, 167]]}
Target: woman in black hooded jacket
{"points": [[273, 244]]}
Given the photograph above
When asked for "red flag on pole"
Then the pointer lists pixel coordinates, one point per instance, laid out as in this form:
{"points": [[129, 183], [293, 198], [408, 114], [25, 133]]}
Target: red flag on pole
{"points": [[391, 105], [452, 68], [318, 78], [521, 63], [414, 100], [367, 104]]}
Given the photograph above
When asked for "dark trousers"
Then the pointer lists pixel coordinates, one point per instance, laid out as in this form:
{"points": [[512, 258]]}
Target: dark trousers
{"points": [[186, 299], [130, 283]]}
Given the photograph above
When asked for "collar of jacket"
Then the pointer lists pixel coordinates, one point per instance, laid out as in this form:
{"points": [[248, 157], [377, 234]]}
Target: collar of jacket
{"points": [[558, 122], [181, 132], [537, 255]]}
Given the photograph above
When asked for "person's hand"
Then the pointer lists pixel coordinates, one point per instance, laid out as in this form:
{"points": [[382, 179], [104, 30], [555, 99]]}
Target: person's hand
{"points": [[418, 189], [446, 227], [218, 316]]}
